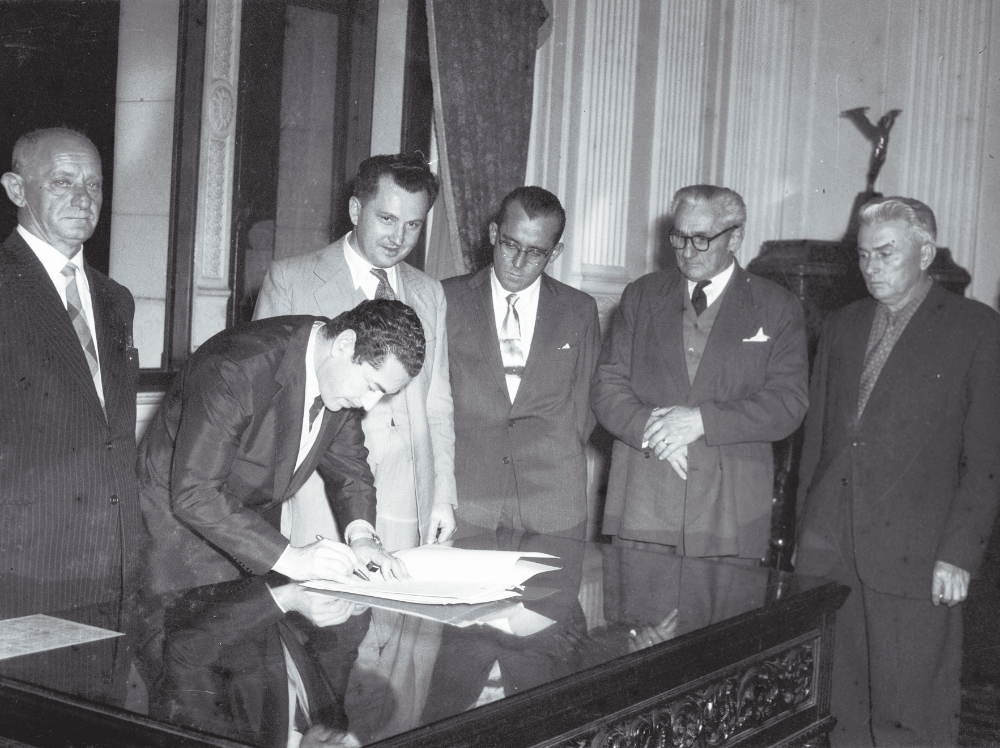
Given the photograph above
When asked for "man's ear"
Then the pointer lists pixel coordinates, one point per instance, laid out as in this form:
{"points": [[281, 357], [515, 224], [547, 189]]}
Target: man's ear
{"points": [[494, 231], [556, 251], [354, 209], [736, 240], [927, 254], [343, 344], [14, 185]]}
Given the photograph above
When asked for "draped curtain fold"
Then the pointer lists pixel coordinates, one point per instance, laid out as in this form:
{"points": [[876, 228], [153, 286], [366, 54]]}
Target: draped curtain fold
{"points": [[482, 69]]}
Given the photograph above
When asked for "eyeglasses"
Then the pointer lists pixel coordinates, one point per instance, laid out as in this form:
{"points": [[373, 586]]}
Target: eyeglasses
{"points": [[513, 249], [698, 241]]}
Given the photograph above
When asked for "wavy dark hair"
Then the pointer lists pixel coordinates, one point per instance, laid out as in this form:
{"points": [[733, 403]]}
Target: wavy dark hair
{"points": [[409, 172], [383, 327]]}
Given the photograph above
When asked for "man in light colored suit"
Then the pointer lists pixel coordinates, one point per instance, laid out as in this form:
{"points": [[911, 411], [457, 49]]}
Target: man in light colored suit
{"points": [[410, 436], [523, 347], [900, 481], [703, 369]]}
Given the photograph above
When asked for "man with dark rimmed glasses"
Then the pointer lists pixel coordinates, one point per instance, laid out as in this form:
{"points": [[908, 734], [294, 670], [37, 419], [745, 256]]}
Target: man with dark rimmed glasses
{"points": [[702, 370], [522, 348]]}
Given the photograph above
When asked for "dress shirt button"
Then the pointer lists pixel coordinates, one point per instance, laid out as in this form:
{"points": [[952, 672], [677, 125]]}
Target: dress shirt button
{"points": [[843, 481], [110, 446], [511, 423], [506, 461], [114, 498]]}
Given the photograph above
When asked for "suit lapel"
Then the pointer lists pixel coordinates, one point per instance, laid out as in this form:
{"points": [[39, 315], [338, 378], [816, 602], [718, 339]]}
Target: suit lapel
{"points": [[736, 317], [543, 337], [337, 284], [289, 407], [905, 358], [111, 357], [483, 326], [667, 313], [48, 316]]}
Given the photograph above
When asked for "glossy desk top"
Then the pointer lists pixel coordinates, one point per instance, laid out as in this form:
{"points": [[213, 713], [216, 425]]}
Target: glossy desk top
{"points": [[216, 659]]}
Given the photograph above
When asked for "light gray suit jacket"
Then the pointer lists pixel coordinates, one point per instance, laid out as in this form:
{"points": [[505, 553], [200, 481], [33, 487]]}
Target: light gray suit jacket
{"points": [[320, 283]]}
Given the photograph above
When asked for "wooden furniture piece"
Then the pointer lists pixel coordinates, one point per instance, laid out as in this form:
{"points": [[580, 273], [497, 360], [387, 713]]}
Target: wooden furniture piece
{"points": [[749, 664]]}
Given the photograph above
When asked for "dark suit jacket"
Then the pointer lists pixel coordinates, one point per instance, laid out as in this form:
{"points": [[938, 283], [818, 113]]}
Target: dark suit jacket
{"points": [[751, 392], [224, 664], [538, 440], [218, 461], [69, 512], [918, 477]]}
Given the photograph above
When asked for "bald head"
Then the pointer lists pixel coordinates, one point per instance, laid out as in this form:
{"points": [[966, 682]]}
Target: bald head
{"points": [[56, 184]]}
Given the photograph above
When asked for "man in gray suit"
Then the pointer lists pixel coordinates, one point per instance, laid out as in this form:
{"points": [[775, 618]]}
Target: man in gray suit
{"points": [[703, 369], [410, 436], [523, 350]]}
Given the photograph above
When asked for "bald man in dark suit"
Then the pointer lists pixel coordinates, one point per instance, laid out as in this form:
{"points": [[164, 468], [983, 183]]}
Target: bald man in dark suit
{"points": [[69, 512]]}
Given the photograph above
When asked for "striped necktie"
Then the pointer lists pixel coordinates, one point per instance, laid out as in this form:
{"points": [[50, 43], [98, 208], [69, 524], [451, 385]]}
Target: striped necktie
{"points": [[74, 306]]}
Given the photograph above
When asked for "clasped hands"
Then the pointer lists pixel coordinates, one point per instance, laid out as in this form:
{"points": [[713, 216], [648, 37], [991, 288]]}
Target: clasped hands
{"points": [[668, 432]]}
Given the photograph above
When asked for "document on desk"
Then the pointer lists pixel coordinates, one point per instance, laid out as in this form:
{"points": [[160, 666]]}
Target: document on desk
{"points": [[442, 575], [38, 633]]}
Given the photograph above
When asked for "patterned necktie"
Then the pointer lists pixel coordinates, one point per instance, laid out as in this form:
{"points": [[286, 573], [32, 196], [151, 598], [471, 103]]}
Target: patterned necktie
{"points": [[698, 299], [384, 290], [510, 340], [74, 306], [314, 410]]}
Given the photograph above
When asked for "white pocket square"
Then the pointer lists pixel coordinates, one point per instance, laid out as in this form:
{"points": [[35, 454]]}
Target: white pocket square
{"points": [[565, 347], [760, 337]]}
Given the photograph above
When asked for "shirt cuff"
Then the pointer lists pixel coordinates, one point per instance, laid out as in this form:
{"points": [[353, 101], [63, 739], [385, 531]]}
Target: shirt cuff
{"points": [[357, 529]]}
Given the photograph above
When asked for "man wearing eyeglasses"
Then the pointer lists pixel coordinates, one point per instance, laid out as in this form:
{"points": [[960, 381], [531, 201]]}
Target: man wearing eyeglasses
{"points": [[522, 350], [702, 370]]}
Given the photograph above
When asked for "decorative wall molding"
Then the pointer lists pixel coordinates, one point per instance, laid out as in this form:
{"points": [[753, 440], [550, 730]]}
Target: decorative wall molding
{"points": [[756, 116], [748, 698], [608, 102], [215, 180], [683, 110], [945, 116]]}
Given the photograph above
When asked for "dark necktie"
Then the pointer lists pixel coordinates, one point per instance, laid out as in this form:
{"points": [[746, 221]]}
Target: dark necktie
{"points": [[384, 290], [314, 409], [74, 306], [698, 299]]}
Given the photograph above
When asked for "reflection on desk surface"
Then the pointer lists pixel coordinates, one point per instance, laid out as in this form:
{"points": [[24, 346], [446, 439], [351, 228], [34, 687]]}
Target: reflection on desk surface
{"points": [[226, 660]]}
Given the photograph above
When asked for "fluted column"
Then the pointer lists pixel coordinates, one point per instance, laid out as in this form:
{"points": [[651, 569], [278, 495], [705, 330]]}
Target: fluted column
{"points": [[215, 177]]}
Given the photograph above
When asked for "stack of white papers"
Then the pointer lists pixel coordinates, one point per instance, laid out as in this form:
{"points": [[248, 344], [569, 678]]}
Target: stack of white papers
{"points": [[442, 575]]}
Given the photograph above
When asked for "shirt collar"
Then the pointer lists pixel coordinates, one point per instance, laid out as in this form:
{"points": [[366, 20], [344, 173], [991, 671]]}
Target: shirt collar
{"points": [[51, 258], [525, 297], [312, 382], [908, 310], [361, 268], [719, 282]]}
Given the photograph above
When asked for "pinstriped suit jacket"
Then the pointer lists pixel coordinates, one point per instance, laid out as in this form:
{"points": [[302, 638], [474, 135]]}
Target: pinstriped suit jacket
{"points": [[69, 512]]}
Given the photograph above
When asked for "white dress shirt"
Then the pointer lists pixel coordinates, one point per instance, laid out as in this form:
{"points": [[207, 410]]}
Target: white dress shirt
{"points": [[307, 436], [714, 289], [527, 311], [54, 261], [361, 271]]}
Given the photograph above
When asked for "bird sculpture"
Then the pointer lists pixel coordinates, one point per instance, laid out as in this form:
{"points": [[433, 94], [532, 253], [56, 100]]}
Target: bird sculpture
{"points": [[877, 135]]}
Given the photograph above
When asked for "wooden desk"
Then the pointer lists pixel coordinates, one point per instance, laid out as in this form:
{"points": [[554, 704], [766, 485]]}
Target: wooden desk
{"points": [[749, 665]]}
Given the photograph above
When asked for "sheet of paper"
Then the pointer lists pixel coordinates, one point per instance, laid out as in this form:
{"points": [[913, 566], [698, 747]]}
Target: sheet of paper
{"points": [[39, 633], [449, 576], [450, 564]]}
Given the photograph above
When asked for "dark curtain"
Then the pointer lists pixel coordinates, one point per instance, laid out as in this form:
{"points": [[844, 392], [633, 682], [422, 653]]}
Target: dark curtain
{"points": [[483, 66]]}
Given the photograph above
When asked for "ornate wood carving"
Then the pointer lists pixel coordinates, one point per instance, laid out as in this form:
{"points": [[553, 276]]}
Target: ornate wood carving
{"points": [[714, 714]]}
